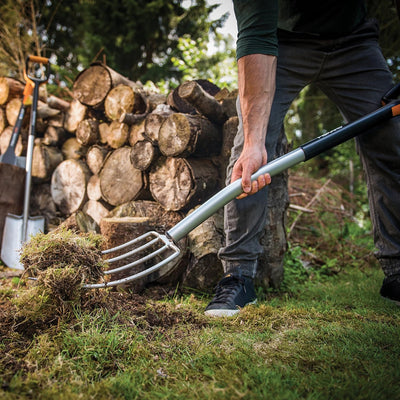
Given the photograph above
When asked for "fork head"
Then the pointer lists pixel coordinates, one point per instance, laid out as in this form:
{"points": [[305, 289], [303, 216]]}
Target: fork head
{"points": [[137, 258]]}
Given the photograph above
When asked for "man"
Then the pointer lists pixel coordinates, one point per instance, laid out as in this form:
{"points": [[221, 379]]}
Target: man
{"points": [[333, 45]]}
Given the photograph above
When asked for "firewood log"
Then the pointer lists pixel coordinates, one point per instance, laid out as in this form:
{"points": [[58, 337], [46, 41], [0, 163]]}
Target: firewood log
{"points": [[54, 136], [80, 222], [96, 209], [229, 104], [3, 120], [41, 203], [123, 99], [93, 84], [45, 159], [117, 134], [5, 141], [154, 121], [73, 150], [229, 131], [93, 188], [57, 103], [103, 132], [204, 268], [68, 185], [12, 111], [74, 115], [9, 89], [119, 180], [130, 118], [87, 132], [153, 100], [204, 103], [46, 112], [182, 135], [143, 154], [136, 132], [95, 157], [178, 183]]}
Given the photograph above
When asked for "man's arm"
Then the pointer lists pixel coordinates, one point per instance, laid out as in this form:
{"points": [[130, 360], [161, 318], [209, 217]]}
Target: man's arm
{"points": [[256, 92]]}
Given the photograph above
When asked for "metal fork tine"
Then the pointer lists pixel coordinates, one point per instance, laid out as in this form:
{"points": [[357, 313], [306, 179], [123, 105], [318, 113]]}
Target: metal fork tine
{"points": [[134, 251], [133, 241]]}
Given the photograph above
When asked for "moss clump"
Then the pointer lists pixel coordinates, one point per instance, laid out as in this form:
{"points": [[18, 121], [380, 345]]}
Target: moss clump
{"points": [[62, 262]]}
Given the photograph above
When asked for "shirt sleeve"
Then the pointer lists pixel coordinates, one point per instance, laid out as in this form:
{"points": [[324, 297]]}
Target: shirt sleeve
{"points": [[257, 24]]}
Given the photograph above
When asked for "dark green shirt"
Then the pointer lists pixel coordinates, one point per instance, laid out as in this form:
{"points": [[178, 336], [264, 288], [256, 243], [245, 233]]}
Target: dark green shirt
{"points": [[259, 20]]}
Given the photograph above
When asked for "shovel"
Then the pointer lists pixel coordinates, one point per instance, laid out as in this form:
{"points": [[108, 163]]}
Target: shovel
{"points": [[18, 229]]}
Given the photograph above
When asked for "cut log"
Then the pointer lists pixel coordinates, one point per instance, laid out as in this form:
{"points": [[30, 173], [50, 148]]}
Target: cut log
{"points": [[117, 135], [144, 154], [229, 104], [153, 100], [57, 103], [95, 157], [41, 203], [229, 131], [12, 111], [44, 161], [205, 269], [96, 209], [154, 121], [93, 84], [182, 135], [68, 185], [80, 222], [123, 99], [93, 188], [87, 132], [3, 120], [73, 150], [178, 183], [54, 136], [130, 118], [5, 138], [117, 230], [75, 114], [46, 112], [58, 121], [103, 132], [136, 132], [119, 180], [9, 89], [204, 103]]}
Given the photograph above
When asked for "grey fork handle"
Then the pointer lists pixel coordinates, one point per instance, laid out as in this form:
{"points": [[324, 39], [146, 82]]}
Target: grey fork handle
{"points": [[303, 153]]}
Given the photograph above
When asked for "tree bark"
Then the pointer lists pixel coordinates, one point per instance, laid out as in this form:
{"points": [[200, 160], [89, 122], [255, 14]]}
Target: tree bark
{"points": [[123, 99], [229, 131], [204, 103], [68, 185], [130, 118], [87, 132], [144, 154], [178, 183], [95, 157], [9, 89], [182, 135], [119, 180], [44, 161]]}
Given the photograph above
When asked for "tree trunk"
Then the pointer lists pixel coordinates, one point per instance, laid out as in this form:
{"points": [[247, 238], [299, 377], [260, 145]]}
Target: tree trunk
{"points": [[95, 157], [74, 115], [178, 183], [123, 99], [87, 132], [9, 89], [119, 180], [154, 121], [204, 103], [44, 161], [182, 135], [144, 154], [73, 150], [204, 269], [117, 135], [68, 185], [93, 84]]}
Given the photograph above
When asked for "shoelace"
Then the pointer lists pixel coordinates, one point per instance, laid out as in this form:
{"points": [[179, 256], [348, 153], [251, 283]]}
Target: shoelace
{"points": [[226, 289]]}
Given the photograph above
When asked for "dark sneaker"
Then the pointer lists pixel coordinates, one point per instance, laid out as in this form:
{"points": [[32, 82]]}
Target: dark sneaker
{"points": [[232, 293], [390, 289]]}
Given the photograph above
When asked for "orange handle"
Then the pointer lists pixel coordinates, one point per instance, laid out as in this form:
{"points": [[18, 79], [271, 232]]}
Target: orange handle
{"points": [[38, 59]]}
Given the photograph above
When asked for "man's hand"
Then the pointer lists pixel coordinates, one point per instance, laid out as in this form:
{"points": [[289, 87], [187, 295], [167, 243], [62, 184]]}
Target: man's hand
{"points": [[250, 160]]}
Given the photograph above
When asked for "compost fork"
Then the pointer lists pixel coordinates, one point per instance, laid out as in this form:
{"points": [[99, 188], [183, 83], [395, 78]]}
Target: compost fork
{"points": [[167, 243]]}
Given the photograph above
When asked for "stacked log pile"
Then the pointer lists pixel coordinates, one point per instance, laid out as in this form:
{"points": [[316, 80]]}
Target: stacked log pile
{"points": [[116, 152]]}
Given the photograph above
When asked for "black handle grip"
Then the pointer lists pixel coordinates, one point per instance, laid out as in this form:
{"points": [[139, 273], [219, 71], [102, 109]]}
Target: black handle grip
{"points": [[392, 94]]}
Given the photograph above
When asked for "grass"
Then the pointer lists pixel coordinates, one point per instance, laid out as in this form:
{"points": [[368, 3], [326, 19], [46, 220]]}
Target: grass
{"points": [[333, 338]]}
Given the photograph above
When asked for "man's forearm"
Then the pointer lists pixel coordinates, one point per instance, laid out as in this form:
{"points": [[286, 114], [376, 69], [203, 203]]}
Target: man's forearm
{"points": [[256, 73]]}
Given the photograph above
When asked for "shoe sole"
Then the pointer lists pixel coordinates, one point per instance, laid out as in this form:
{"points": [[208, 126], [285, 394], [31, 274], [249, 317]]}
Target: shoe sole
{"points": [[224, 312], [392, 301]]}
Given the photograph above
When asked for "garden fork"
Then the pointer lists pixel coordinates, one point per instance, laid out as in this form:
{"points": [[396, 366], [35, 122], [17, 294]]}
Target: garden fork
{"points": [[167, 243]]}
